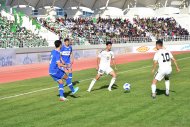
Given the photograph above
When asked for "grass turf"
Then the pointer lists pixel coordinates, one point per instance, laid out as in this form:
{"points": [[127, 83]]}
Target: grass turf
{"points": [[100, 107]]}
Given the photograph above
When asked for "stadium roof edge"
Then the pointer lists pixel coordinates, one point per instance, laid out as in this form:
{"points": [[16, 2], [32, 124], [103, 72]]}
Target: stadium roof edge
{"points": [[94, 4]]}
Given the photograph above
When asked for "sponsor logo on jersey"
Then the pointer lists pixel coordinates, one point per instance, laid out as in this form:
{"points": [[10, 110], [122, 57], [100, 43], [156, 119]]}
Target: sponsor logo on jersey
{"points": [[65, 53], [143, 49]]}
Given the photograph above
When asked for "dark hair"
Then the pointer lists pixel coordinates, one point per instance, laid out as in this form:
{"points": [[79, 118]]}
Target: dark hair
{"points": [[57, 43], [66, 39], [159, 42], [108, 42]]}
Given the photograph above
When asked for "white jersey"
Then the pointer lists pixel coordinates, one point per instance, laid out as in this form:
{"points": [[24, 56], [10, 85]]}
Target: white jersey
{"points": [[163, 57], [105, 58]]}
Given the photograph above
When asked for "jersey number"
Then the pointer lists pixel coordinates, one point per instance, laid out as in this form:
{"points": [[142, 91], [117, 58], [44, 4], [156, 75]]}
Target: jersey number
{"points": [[166, 57]]}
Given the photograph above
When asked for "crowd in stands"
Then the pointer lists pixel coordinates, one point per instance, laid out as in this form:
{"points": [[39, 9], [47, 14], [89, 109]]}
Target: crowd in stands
{"points": [[161, 27], [116, 30], [99, 30], [21, 38], [93, 31]]}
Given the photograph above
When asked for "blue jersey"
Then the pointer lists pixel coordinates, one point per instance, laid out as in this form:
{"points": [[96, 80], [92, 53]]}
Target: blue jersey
{"points": [[55, 57], [66, 53]]}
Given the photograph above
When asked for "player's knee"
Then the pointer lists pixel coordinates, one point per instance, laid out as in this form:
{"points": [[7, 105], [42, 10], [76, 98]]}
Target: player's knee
{"points": [[65, 77], [60, 82], [114, 75], [98, 77], [166, 78], [70, 70], [154, 81]]}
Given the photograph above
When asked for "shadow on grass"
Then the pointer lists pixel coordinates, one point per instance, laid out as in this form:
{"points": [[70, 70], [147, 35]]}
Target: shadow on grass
{"points": [[105, 87], [69, 93], [127, 91], [161, 92], [75, 83]]}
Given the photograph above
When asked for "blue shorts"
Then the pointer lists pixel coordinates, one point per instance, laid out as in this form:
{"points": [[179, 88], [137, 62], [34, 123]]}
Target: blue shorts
{"points": [[58, 76]]}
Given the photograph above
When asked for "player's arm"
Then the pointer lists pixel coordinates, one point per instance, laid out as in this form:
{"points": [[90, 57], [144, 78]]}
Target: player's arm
{"points": [[60, 61], [176, 65], [61, 64], [72, 58], [98, 60], [155, 62], [98, 63], [114, 63], [175, 62]]}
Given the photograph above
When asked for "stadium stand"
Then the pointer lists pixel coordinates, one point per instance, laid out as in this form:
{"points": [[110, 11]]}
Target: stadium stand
{"points": [[118, 30], [98, 31], [19, 39], [85, 29], [161, 27]]}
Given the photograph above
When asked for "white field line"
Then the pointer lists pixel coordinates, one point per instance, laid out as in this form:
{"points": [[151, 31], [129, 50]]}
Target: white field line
{"points": [[17, 95]]}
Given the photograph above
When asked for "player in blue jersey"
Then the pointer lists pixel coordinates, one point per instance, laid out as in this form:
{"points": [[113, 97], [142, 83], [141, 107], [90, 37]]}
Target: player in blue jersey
{"points": [[57, 73], [67, 57]]}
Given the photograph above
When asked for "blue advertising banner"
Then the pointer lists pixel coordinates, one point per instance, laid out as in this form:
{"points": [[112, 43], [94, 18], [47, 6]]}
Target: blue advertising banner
{"points": [[7, 57]]}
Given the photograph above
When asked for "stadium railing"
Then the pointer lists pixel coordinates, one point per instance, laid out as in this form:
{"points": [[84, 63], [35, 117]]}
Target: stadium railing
{"points": [[14, 42], [97, 40], [176, 38]]}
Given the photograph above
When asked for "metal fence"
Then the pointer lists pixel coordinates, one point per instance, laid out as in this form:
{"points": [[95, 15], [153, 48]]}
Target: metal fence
{"points": [[176, 38], [8, 42], [99, 40]]}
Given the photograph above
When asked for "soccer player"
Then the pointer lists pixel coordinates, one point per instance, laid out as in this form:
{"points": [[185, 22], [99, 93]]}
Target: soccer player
{"points": [[67, 57], [162, 57], [57, 73], [103, 66]]}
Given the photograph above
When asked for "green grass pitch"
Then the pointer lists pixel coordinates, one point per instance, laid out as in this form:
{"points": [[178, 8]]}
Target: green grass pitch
{"points": [[100, 108]]}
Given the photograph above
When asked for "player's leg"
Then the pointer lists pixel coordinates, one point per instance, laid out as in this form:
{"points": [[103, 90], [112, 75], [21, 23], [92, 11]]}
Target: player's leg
{"points": [[167, 84], [113, 74], [70, 72], [158, 77], [58, 78], [61, 91], [153, 87], [70, 84], [94, 81]]}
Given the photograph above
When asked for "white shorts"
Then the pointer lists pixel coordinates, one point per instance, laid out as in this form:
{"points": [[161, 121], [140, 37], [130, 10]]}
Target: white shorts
{"points": [[106, 70], [162, 74]]}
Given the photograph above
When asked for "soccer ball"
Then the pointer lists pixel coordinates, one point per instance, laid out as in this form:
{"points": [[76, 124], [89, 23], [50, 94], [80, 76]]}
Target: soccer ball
{"points": [[127, 86]]}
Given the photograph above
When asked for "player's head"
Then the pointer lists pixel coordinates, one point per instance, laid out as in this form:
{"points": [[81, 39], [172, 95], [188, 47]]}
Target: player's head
{"points": [[159, 44], [108, 45], [58, 44], [66, 41]]}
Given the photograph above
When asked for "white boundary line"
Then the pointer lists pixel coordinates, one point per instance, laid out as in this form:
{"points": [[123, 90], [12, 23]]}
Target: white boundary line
{"points": [[17, 95]]}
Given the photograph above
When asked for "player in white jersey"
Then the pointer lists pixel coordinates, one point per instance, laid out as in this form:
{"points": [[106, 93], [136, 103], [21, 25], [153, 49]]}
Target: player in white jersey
{"points": [[163, 58], [103, 66]]}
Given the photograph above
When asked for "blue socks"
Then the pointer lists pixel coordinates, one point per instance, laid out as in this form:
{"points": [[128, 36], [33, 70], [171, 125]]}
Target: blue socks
{"points": [[71, 76], [61, 90], [70, 84]]}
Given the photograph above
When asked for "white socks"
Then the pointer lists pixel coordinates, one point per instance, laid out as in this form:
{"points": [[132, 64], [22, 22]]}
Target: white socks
{"points": [[167, 84], [153, 88], [111, 83], [94, 81], [91, 85]]}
